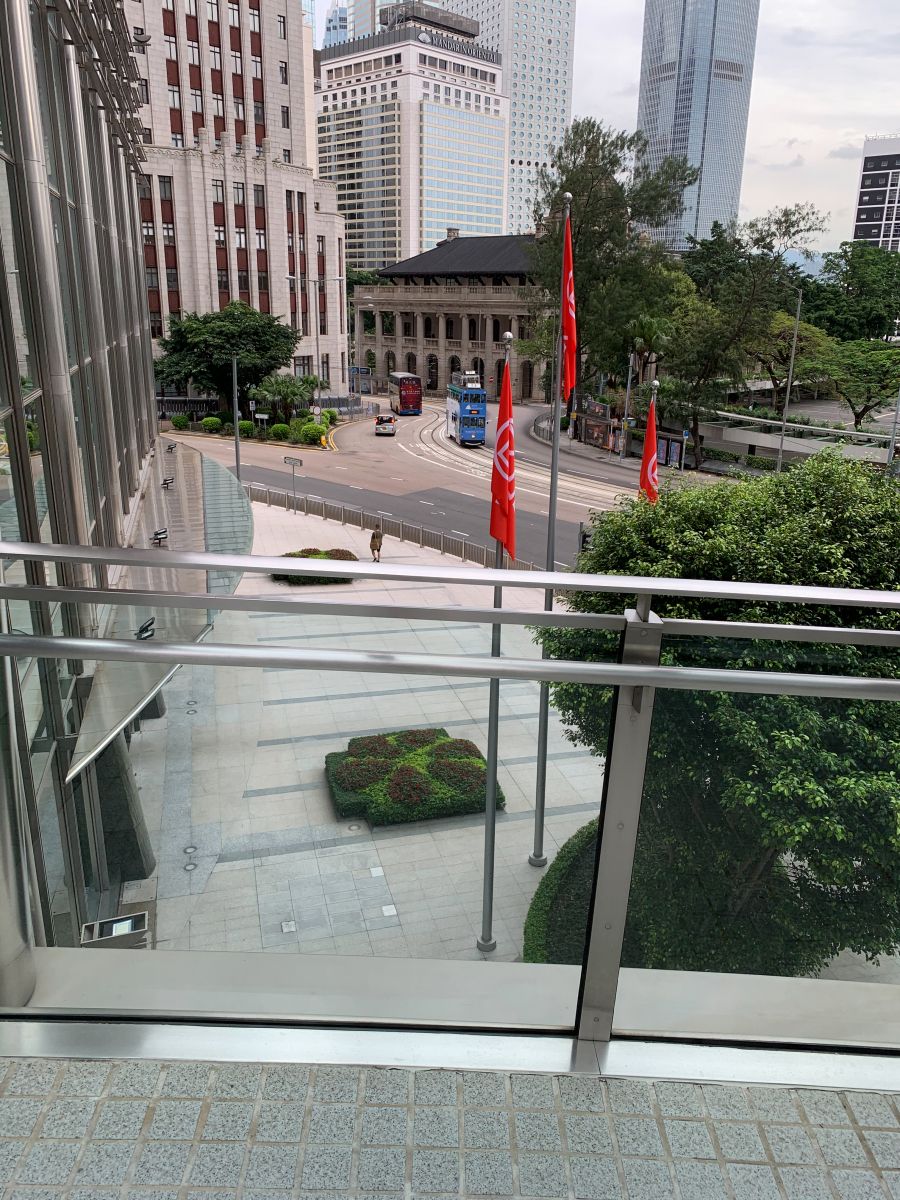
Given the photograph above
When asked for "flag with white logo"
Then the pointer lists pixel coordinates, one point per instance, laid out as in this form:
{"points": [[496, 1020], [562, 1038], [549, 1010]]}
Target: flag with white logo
{"points": [[503, 477]]}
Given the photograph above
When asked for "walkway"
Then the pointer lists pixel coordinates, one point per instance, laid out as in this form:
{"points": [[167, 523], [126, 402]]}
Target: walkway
{"points": [[200, 1131]]}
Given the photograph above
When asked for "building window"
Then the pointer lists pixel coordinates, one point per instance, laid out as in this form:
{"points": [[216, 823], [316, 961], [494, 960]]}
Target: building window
{"points": [[172, 279], [156, 327], [254, 19], [320, 246], [215, 57], [259, 195], [139, 46], [219, 232], [286, 155], [178, 141], [262, 281], [282, 26], [148, 232], [239, 194], [144, 187], [223, 279], [289, 201], [282, 72], [152, 277], [303, 365], [260, 239], [174, 97], [196, 100], [144, 89], [190, 7], [218, 191], [256, 67], [194, 53], [325, 369], [165, 187], [146, 135], [168, 233], [234, 14], [285, 117], [243, 281], [239, 108], [237, 62], [212, 10], [219, 105], [240, 239], [171, 47], [259, 112]]}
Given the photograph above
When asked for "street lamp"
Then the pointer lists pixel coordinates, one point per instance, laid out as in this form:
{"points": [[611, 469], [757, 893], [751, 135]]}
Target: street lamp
{"points": [[790, 382]]}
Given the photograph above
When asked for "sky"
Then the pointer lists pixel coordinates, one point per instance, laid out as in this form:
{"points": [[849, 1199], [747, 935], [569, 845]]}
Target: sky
{"points": [[825, 77]]}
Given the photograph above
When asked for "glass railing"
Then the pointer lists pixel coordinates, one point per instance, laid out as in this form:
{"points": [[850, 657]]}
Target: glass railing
{"points": [[309, 795]]}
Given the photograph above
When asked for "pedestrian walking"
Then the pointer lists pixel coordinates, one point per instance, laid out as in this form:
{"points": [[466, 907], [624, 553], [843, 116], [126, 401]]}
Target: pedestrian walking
{"points": [[375, 543]]}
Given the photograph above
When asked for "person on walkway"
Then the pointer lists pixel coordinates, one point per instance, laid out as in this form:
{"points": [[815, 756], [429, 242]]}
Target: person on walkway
{"points": [[375, 543]]}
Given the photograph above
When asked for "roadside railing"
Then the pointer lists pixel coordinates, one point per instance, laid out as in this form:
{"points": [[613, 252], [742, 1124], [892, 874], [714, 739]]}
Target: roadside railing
{"points": [[403, 531]]}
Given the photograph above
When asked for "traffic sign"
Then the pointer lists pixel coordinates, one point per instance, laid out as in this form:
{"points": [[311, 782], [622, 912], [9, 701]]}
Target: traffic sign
{"points": [[317, 411], [253, 406]]}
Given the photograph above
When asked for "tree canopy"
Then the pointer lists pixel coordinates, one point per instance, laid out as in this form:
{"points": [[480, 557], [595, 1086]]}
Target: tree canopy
{"points": [[856, 296], [864, 375], [770, 829], [198, 349]]}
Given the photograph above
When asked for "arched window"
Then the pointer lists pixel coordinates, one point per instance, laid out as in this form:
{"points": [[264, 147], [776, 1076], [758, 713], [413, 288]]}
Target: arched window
{"points": [[451, 328], [432, 380], [429, 327], [455, 365], [498, 375], [527, 380], [390, 362], [497, 333], [473, 329], [411, 363], [478, 368]]}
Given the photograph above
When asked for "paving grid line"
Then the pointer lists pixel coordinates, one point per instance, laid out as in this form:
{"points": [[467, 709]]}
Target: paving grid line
{"points": [[578, 1108]]}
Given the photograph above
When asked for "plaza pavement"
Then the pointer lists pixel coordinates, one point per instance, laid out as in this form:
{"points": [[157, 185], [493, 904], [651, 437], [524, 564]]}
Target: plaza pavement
{"points": [[251, 855]]}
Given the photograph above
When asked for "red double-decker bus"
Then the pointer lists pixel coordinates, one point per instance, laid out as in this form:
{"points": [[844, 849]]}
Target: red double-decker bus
{"points": [[405, 393]]}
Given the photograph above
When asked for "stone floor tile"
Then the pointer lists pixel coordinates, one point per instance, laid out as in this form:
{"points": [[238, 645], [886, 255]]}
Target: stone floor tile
{"points": [[134, 1079], [579, 1093], [161, 1163], [638, 1136], [384, 1127], [381, 1170], [68, 1118], [105, 1163], [857, 1185], [386, 1087], [484, 1088], [84, 1079], [872, 1111], [588, 1135], [679, 1099], [727, 1103], [542, 1175], [227, 1121], [19, 1117], [648, 1180], [485, 1130], [752, 1182], [326, 1167], [332, 1124], [540, 1131], [217, 1166], [436, 1126], [32, 1079], [48, 1162], [700, 1180], [10, 1153], [34, 1194], [532, 1091], [272, 1167], [91, 1193], [286, 1083], [774, 1104], [487, 1174], [804, 1183], [175, 1120], [789, 1144], [625, 1096], [120, 1120], [885, 1148], [740, 1142], [237, 1081], [841, 1147], [279, 1121], [187, 1080], [892, 1179], [336, 1084], [823, 1108], [595, 1179]]}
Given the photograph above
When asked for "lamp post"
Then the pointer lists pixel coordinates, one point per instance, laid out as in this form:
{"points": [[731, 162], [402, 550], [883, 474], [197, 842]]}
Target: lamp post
{"points": [[790, 382], [237, 417], [627, 400], [892, 447]]}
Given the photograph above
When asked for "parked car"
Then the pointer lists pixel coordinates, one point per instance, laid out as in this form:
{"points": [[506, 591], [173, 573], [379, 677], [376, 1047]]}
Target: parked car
{"points": [[385, 426]]}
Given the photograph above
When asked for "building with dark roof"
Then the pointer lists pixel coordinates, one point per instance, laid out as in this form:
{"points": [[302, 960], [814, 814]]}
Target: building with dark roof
{"points": [[447, 310]]}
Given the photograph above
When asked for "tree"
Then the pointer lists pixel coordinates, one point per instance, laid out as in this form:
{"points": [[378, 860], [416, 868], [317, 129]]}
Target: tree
{"points": [[285, 392], [649, 338], [865, 375], [857, 293], [620, 274], [769, 838], [199, 347], [357, 279], [773, 351]]}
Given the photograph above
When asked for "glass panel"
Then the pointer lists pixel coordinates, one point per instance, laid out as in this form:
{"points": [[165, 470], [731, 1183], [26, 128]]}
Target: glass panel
{"points": [[11, 240]]}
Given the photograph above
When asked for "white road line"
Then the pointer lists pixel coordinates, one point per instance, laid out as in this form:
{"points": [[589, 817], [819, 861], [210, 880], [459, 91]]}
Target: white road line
{"points": [[356, 487], [384, 514], [430, 503], [459, 533]]}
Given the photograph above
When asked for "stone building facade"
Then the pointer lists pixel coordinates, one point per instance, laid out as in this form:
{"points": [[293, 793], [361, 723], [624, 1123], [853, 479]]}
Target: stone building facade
{"points": [[447, 310]]}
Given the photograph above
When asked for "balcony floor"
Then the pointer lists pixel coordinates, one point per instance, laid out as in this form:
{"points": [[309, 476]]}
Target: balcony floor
{"points": [[97, 1130]]}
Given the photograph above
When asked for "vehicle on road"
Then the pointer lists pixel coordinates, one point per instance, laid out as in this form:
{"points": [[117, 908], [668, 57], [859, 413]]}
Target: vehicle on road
{"points": [[385, 426], [405, 393], [466, 409]]}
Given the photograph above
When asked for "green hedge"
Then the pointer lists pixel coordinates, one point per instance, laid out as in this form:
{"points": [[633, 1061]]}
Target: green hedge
{"points": [[761, 464], [311, 434], [211, 425], [411, 775], [556, 925], [246, 429], [281, 432], [316, 580], [180, 421]]}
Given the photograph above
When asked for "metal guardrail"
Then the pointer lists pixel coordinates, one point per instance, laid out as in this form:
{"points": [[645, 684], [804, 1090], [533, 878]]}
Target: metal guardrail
{"points": [[403, 531]]}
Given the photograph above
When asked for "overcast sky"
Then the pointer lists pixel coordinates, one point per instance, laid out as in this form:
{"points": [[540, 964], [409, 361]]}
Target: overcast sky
{"points": [[825, 76]]}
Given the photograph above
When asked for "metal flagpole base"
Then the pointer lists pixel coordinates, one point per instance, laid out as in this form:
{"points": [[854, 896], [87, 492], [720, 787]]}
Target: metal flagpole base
{"points": [[486, 947], [538, 861]]}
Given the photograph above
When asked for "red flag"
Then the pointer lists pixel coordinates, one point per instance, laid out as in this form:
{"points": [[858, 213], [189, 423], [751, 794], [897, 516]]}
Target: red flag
{"points": [[503, 477], [569, 326], [649, 486]]}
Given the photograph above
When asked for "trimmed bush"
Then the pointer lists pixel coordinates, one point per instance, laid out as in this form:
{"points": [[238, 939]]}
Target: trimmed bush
{"points": [[312, 434], [556, 925], [228, 430], [246, 429], [761, 464], [315, 580], [281, 433], [180, 422], [331, 415], [211, 425], [406, 776]]}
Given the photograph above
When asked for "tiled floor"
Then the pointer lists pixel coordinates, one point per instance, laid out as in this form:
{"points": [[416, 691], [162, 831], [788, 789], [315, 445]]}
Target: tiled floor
{"points": [[198, 1131]]}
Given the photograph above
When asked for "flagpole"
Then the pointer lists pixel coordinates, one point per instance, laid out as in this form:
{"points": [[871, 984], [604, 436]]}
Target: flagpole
{"points": [[487, 942], [538, 858]]}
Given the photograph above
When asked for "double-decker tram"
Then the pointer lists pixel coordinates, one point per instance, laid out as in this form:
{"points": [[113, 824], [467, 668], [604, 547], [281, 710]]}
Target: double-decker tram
{"points": [[466, 409]]}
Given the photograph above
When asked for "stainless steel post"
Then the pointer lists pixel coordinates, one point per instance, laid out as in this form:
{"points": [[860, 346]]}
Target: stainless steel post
{"points": [[538, 858], [486, 943], [627, 401], [892, 445], [790, 382], [237, 416]]}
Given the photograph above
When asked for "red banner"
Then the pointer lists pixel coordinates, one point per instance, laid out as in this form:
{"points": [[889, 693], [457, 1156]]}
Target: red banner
{"points": [[649, 486], [569, 324], [503, 477]]}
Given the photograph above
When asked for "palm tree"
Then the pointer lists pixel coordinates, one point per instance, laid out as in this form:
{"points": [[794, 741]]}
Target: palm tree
{"points": [[648, 338]]}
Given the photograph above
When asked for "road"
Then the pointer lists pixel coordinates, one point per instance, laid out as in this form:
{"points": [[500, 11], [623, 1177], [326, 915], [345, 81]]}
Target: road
{"points": [[421, 477]]}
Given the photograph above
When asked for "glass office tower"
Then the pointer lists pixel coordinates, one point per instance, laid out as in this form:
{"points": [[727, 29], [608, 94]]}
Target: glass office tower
{"points": [[696, 77]]}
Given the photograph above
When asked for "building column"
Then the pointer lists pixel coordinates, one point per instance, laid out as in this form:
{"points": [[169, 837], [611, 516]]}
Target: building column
{"points": [[443, 366]]}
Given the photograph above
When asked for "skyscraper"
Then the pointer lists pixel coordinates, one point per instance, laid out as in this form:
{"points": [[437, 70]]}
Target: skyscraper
{"points": [[336, 24], [363, 16], [536, 39], [877, 218], [696, 76]]}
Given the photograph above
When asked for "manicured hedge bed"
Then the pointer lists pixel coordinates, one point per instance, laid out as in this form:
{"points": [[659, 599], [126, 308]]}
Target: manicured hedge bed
{"points": [[556, 925], [412, 775], [316, 580]]}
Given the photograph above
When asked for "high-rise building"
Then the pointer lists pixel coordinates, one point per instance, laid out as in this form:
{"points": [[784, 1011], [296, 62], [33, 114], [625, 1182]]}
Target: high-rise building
{"points": [[413, 131], [536, 39], [877, 216], [696, 76], [336, 25], [230, 206], [363, 17]]}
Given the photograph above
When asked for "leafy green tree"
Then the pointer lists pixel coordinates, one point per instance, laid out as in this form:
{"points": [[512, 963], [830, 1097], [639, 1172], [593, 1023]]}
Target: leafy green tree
{"points": [[865, 375], [199, 347], [856, 296], [649, 338], [620, 274], [769, 838], [773, 351], [286, 392]]}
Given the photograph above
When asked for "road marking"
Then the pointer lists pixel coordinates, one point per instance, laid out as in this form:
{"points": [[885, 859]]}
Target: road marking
{"points": [[384, 514], [397, 479], [356, 487], [430, 503], [341, 468], [459, 533]]}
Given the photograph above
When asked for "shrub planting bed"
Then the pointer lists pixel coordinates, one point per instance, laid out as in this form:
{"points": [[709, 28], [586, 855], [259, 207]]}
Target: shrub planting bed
{"points": [[316, 580], [556, 925], [412, 775]]}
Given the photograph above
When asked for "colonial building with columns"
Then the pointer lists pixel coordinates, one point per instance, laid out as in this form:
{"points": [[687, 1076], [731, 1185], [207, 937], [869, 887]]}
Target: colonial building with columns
{"points": [[447, 310]]}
